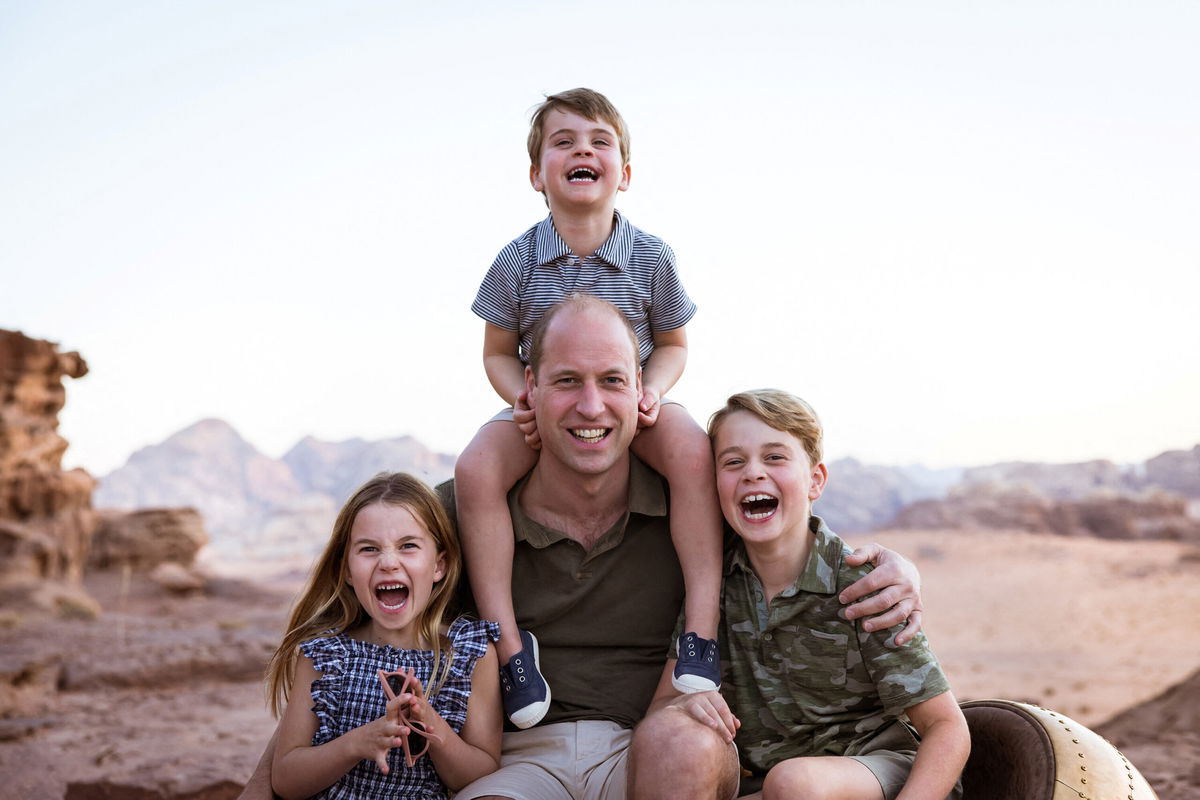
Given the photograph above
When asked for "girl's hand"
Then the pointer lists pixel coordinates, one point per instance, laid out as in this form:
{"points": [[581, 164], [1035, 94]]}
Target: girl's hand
{"points": [[418, 710], [648, 407], [523, 416], [375, 739]]}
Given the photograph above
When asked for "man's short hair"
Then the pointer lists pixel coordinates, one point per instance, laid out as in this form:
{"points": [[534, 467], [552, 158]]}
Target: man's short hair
{"points": [[584, 102], [580, 302], [780, 410]]}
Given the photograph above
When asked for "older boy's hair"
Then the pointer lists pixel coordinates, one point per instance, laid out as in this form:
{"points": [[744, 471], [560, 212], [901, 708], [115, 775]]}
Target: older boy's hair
{"points": [[580, 302], [586, 103], [780, 410]]}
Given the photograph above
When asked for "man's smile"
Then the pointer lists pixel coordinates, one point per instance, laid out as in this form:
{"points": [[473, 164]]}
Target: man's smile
{"points": [[590, 435]]}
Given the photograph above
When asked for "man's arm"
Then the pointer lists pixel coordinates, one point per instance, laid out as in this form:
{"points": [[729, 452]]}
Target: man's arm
{"points": [[259, 785], [899, 585]]}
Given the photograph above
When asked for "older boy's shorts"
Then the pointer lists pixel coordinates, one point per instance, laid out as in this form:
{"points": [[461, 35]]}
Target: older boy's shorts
{"points": [[585, 760]]}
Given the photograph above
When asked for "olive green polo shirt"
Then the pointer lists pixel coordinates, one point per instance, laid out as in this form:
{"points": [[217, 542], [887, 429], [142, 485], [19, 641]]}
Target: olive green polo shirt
{"points": [[802, 680], [603, 617]]}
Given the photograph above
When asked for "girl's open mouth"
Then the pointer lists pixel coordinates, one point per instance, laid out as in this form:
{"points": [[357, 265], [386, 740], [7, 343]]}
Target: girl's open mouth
{"points": [[392, 596]]}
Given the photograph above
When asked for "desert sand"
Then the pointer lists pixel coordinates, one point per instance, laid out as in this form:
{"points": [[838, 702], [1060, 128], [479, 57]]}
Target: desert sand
{"points": [[160, 697]]}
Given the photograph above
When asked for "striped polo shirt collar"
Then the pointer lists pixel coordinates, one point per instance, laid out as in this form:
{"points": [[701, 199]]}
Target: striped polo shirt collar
{"points": [[615, 251], [820, 573]]}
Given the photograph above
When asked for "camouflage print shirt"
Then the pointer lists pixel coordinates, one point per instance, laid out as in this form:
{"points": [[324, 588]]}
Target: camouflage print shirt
{"points": [[804, 681]]}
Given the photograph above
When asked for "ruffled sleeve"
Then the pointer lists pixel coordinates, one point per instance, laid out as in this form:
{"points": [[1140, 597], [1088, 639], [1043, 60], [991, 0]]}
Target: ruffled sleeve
{"points": [[469, 638], [329, 656]]}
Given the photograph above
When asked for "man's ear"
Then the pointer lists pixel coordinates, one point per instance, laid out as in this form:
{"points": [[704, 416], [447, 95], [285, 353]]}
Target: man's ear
{"points": [[820, 474], [530, 383]]}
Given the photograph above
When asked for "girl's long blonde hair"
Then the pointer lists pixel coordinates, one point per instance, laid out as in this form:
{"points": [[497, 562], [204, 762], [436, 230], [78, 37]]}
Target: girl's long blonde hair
{"points": [[328, 603]]}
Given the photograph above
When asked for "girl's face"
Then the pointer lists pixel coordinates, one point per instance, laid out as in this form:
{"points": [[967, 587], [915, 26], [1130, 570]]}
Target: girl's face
{"points": [[393, 563]]}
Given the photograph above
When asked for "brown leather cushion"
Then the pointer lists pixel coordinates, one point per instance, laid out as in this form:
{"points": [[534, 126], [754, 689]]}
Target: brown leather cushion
{"points": [[1025, 752]]}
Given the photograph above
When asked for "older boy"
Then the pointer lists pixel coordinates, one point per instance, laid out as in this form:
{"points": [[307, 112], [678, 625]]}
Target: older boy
{"points": [[579, 159], [824, 706]]}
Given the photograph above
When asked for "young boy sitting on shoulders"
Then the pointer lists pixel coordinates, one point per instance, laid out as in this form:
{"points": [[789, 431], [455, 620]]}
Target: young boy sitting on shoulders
{"points": [[826, 709], [579, 160]]}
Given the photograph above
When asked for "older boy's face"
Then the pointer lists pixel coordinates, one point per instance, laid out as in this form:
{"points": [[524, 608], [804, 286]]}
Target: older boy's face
{"points": [[765, 482], [580, 164]]}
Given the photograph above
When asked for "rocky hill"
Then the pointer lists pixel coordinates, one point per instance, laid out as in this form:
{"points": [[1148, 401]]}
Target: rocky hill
{"points": [[254, 505]]}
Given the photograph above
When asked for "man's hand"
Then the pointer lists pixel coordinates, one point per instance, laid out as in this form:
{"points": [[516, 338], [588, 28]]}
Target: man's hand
{"points": [[523, 416], [648, 407], [899, 585], [710, 710]]}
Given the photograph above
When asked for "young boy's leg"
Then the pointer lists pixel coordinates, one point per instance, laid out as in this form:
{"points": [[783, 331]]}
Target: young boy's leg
{"points": [[677, 448], [483, 475], [820, 778]]}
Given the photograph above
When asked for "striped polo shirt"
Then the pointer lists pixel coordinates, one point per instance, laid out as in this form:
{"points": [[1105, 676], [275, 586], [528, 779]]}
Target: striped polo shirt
{"points": [[632, 270]]}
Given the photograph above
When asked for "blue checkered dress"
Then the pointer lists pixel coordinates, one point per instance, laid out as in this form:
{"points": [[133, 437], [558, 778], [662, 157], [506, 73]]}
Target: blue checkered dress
{"points": [[348, 694]]}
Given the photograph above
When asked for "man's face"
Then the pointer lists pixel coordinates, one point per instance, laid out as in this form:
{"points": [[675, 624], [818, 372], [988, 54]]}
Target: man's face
{"points": [[585, 395]]}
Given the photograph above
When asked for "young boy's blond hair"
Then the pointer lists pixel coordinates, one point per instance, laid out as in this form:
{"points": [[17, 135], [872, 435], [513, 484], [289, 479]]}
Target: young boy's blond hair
{"points": [[780, 410], [584, 102]]}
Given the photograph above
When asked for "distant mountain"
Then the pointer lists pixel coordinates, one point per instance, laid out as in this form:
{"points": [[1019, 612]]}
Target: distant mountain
{"points": [[253, 504], [1159, 499], [862, 497]]}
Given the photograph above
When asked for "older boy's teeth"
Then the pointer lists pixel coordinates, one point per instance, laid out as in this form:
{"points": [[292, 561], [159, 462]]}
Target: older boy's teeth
{"points": [[581, 174], [758, 506], [589, 435]]}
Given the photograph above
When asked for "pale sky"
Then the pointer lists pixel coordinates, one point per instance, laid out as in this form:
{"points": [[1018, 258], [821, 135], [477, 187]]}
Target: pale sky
{"points": [[966, 232]]}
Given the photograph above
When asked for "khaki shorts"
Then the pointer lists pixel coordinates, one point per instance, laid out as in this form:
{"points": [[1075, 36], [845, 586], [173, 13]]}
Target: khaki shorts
{"points": [[586, 760]]}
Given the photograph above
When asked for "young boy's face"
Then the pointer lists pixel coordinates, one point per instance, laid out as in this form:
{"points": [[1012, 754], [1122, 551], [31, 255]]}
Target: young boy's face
{"points": [[580, 164], [765, 481]]}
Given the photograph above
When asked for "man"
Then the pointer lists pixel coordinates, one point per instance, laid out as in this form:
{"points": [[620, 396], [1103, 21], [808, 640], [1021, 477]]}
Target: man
{"points": [[596, 580]]}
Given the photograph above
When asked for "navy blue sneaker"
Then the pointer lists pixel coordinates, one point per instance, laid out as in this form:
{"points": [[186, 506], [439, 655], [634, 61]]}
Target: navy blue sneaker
{"points": [[699, 666], [523, 690]]}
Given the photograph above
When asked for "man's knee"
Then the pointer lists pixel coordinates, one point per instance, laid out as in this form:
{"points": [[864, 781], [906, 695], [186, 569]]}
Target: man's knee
{"points": [[673, 730], [670, 747]]}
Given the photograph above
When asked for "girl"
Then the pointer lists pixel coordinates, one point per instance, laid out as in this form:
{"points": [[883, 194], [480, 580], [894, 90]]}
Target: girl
{"points": [[375, 604]]}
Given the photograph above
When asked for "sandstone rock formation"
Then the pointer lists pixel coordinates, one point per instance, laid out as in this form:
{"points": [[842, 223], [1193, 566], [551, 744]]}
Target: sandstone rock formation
{"points": [[1162, 736], [1177, 471], [46, 518], [1111, 515], [145, 539]]}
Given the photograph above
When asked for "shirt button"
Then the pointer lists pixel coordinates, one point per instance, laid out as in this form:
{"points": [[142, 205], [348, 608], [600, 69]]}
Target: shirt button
{"points": [[767, 636]]}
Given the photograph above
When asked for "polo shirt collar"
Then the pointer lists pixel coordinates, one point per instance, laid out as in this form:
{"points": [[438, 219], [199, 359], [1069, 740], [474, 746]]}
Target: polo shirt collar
{"points": [[646, 497], [616, 250], [820, 573]]}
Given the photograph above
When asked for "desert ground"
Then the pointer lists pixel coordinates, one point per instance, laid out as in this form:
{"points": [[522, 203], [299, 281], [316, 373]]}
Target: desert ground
{"points": [[160, 697]]}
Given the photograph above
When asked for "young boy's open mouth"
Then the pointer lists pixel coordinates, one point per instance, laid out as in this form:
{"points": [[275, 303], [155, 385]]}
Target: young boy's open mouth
{"points": [[581, 175]]}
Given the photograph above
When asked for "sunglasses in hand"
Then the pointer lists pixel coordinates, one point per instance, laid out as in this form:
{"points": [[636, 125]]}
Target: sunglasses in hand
{"points": [[416, 742]]}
